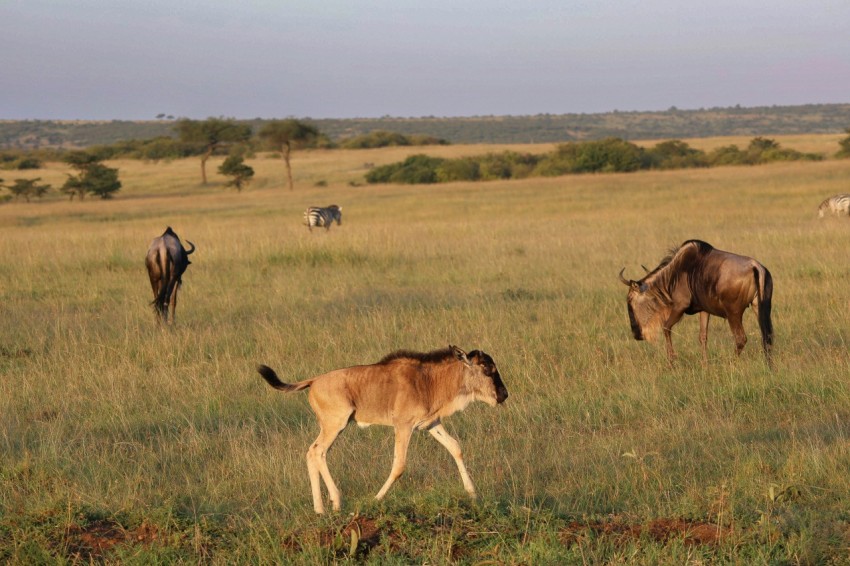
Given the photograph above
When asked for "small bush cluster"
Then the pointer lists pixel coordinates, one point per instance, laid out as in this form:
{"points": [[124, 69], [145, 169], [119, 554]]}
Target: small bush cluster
{"points": [[610, 155], [421, 168], [155, 149], [19, 160], [844, 143], [381, 138]]}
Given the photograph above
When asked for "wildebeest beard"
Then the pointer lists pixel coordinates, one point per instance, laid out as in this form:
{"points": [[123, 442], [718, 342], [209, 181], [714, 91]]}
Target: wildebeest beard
{"points": [[646, 314]]}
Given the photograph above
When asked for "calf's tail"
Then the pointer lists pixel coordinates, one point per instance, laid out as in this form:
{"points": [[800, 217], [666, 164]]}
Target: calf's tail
{"points": [[764, 283], [272, 379]]}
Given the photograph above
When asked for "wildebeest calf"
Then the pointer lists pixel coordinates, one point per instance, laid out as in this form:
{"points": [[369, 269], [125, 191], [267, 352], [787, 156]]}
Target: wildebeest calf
{"points": [[405, 390], [166, 261]]}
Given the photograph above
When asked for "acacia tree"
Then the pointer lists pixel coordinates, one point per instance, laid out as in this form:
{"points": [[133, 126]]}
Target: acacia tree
{"points": [[94, 177], [27, 188], [211, 133], [286, 135], [235, 167]]}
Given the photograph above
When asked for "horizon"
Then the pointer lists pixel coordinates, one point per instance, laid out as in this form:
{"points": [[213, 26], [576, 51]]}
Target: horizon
{"points": [[173, 119]]}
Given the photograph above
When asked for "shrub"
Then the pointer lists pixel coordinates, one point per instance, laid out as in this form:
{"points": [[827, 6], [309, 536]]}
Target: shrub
{"points": [[727, 155], [381, 138], [608, 156], [415, 169], [28, 163], [674, 154], [464, 169], [507, 165], [19, 160], [844, 144]]}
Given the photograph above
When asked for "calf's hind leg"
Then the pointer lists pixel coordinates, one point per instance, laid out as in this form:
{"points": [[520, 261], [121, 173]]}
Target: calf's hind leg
{"points": [[402, 440], [317, 463]]}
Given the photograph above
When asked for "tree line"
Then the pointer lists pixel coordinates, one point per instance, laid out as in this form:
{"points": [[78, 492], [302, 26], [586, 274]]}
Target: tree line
{"points": [[213, 135], [603, 156], [673, 123]]}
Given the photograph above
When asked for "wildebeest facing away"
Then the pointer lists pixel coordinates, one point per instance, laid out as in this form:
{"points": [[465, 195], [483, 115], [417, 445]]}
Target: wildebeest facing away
{"points": [[405, 390], [166, 261], [696, 278], [838, 204]]}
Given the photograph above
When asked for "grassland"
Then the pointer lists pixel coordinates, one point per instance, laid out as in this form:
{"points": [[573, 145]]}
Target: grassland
{"points": [[124, 442]]}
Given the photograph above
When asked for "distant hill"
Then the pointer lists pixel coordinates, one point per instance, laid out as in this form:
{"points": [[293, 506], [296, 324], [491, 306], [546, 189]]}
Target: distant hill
{"points": [[540, 128]]}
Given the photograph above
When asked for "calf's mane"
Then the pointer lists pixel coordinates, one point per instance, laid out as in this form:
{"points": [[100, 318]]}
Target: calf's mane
{"points": [[432, 357]]}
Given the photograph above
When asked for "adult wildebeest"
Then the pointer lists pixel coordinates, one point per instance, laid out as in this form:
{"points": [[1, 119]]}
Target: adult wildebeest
{"points": [[696, 278], [166, 261], [405, 390], [323, 216], [838, 204]]}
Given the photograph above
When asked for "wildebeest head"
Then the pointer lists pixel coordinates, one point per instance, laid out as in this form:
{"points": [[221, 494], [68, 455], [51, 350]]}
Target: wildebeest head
{"points": [[482, 376], [646, 308]]}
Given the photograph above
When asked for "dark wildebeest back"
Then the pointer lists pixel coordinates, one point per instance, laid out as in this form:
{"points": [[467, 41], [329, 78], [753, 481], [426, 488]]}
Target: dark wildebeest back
{"points": [[166, 261], [696, 278]]}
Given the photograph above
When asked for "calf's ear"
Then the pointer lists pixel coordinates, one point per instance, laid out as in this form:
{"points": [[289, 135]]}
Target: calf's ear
{"points": [[460, 354]]}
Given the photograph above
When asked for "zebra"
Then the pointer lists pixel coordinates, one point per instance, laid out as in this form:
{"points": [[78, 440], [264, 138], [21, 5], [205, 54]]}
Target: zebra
{"points": [[319, 216], [838, 204]]}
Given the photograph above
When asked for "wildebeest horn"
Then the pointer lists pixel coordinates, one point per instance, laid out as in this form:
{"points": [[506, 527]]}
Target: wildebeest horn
{"points": [[624, 280], [193, 247], [644, 268]]}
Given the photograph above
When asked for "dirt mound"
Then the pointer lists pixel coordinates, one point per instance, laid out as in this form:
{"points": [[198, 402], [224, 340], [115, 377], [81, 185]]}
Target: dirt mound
{"points": [[98, 538], [662, 530]]}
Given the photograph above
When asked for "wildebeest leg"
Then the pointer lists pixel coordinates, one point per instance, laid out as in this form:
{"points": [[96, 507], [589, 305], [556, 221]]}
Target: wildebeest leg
{"points": [[317, 464], [165, 299], [444, 438], [156, 285], [703, 335], [734, 319], [675, 316], [402, 440], [174, 302]]}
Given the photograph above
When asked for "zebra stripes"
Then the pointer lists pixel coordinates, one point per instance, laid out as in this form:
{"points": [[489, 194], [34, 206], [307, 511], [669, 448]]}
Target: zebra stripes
{"points": [[322, 216], [838, 204]]}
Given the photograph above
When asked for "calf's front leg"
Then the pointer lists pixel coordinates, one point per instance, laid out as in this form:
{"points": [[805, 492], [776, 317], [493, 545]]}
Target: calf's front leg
{"points": [[452, 445]]}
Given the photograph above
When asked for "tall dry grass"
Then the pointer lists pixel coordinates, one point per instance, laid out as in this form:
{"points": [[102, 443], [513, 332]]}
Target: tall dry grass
{"points": [[103, 413]]}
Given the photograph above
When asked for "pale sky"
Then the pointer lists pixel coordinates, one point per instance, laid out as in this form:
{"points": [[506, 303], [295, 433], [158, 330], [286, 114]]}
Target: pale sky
{"points": [[122, 59]]}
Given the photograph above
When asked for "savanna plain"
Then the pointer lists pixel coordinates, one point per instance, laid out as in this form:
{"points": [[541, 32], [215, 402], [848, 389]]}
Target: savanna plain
{"points": [[125, 442]]}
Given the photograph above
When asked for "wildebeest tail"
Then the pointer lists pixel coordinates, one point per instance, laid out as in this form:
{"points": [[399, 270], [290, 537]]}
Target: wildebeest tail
{"points": [[764, 283], [272, 379]]}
